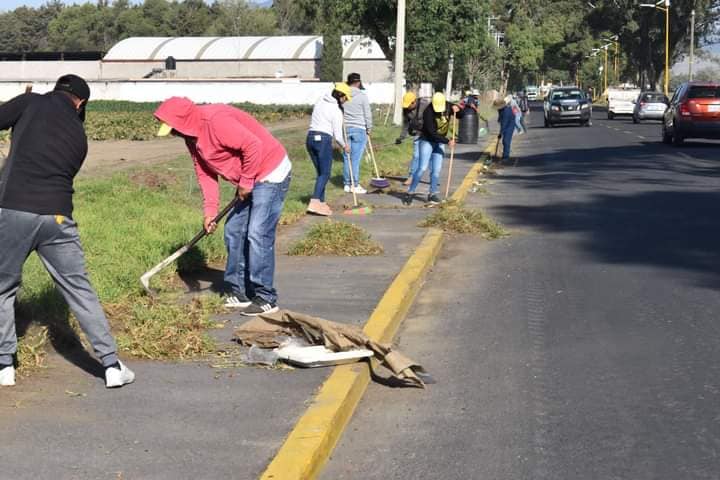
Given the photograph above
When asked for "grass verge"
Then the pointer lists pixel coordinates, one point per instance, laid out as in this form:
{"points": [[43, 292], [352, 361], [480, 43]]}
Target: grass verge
{"points": [[338, 239], [455, 218]]}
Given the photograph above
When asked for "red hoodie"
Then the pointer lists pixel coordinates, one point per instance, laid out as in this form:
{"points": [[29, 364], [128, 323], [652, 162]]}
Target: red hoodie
{"points": [[226, 142]]}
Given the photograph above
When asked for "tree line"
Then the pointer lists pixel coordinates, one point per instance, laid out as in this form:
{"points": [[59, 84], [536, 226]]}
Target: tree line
{"points": [[543, 39]]}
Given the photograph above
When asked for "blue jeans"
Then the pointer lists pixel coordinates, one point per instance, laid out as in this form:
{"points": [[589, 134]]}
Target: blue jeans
{"points": [[429, 153], [415, 157], [507, 141], [250, 241], [321, 154], [357, 138]]}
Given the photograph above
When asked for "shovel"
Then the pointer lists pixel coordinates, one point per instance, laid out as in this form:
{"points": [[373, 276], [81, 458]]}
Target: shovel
{"points": [[145, 279]]}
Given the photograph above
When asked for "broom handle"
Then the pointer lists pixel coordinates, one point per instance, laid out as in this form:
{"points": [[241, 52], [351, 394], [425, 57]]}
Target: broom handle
{"points": [[452, 155], [372, 157], [349, 157]]}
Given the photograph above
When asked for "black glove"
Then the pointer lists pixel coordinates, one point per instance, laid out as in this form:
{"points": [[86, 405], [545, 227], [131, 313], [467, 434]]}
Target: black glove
{"points": [[499, 136], [398, 141]]}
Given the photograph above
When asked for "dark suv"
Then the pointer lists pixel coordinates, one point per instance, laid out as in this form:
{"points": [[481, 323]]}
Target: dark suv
{"points": [[694, 112], [567, 105]]}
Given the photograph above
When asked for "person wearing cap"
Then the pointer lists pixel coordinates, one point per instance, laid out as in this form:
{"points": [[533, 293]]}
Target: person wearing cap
{"points": [[226, 142], [413, 109], [326, 124], [506, 118], [433, 138], [359, 123], [47, 149]]}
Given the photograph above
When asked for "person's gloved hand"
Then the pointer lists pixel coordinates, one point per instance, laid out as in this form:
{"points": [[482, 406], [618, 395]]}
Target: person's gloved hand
{"points": [[499, 136], [398, 141]]}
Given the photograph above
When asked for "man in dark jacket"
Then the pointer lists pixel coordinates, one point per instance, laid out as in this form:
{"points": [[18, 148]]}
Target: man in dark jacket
{"points": [[433, 138], [413, 109], [506, 118], [36, 188]]}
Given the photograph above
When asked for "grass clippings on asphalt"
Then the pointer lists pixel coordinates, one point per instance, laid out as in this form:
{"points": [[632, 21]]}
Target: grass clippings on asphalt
{"points": [[338, 239], [456, 218]]}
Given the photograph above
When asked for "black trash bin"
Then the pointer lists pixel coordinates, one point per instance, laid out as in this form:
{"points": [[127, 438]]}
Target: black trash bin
{"points": [[468, 128]]}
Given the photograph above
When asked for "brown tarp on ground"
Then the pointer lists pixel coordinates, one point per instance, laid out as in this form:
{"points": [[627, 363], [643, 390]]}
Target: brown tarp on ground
{"points": [[266, 331]]}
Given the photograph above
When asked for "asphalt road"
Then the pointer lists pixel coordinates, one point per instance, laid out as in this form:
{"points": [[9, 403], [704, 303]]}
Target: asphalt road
{"points": [[586, 345]]}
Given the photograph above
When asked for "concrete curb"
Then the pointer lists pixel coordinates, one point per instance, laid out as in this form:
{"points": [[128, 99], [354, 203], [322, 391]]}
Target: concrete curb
{"points": [[312, 440]]}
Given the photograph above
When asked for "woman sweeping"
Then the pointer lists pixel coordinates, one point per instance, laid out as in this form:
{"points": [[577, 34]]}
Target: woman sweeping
{"points": [[326, 124]]}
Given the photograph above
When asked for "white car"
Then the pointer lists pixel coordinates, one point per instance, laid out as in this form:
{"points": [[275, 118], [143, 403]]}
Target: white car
{"points": [[621, 101]]}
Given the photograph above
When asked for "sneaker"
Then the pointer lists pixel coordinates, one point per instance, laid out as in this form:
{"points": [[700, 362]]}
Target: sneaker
{"points": [[433, 199], [234, 301], [346, 188], [315, 207], [118, 375], [259, 307], [407, 199], [359, 190], [7, 376]]}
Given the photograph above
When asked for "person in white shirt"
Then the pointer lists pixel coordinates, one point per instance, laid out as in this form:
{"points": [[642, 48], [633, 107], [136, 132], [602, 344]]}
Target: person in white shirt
{"points": [[326, 124]]}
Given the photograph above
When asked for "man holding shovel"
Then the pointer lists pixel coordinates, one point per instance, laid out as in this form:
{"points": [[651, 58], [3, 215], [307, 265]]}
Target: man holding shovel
{"points": [[36, 214], [227, 142]]}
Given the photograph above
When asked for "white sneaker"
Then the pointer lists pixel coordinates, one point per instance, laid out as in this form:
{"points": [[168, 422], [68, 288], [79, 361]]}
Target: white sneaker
{"points": [[117, 377], [234, 302], [359, 190], [346, 188], [7, 376]]}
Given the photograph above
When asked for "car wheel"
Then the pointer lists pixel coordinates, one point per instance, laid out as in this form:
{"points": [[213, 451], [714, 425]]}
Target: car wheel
{"points": [[677, 140], [666, 137]]}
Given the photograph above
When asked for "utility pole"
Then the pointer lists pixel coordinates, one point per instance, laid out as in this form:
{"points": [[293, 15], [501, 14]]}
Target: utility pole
{"points": [[692, 45], [399, 61], [448, 82]]}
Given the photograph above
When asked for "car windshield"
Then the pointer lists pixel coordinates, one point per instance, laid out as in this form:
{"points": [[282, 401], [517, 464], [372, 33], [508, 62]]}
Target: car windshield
{"points": [[567, 95], [654, 98], [704, 92]]}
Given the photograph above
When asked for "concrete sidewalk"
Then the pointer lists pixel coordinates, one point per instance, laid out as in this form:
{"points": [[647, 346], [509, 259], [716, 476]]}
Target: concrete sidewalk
{"points": [[191, 420]]}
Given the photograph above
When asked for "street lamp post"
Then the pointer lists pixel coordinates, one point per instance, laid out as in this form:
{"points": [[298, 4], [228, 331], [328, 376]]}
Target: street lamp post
{"points": [[664, 6], [399, 61], [692, 45], [614, 39]]}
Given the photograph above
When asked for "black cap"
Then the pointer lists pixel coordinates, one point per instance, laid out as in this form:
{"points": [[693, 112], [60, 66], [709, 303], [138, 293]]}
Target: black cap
{"points": [[354, 77], [77, 86]]}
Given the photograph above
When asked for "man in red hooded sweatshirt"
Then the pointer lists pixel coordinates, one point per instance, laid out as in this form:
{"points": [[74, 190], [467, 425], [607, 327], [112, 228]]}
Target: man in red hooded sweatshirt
{"points": [[227, 142]]}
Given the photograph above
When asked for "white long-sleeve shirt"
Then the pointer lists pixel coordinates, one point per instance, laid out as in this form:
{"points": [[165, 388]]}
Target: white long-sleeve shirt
{"points": [[328, 118]]}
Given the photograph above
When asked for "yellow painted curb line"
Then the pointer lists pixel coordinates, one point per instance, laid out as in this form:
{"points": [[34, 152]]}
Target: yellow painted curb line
{"points": [[312, 440]]}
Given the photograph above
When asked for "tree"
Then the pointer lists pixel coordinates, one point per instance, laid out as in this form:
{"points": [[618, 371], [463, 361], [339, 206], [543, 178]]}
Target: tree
{"points": [[237, 18]]}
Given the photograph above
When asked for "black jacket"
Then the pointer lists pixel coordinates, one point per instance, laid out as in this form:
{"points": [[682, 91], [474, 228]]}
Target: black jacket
{"points": [[48, 148], [437, 126]]}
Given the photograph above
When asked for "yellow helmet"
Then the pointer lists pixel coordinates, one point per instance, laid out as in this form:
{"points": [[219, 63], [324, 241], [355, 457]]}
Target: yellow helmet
{"points": [[344, 88], [408, 99], [438, 102]]}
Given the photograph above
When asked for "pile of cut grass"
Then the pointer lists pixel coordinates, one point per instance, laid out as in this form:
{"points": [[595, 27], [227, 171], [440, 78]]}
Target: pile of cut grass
{"points": [[455, 218], [338, 239]]}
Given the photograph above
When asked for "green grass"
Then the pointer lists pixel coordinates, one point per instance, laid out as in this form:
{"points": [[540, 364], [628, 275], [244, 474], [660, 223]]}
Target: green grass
{"points": [[456, 218], [338, 239], [129, 222]]}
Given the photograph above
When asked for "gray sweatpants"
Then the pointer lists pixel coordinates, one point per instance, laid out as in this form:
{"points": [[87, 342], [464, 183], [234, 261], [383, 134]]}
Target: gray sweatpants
{"points": [[56, 241]]}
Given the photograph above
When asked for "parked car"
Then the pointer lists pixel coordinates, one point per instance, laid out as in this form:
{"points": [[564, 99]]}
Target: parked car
{"points": [[650, 106], [620, 101], [694, 112], [567, 105], [532, 93]]}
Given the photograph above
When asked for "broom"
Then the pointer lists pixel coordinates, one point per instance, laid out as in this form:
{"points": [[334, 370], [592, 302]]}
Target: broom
{"points": [[357, 209], [378, 181], [452, 155]]}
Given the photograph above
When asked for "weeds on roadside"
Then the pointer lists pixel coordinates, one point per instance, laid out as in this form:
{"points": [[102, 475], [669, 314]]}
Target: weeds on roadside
{"points": [[164, 330], [336, 238], [455, 218]]}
